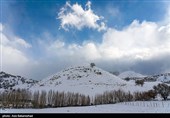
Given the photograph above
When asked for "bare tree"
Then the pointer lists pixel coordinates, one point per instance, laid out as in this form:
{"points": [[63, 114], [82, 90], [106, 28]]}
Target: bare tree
{"points": [[92, 65], [163, 90], [50, 98], [139, 82], [56, 99], [35, 100], [42, 99]]}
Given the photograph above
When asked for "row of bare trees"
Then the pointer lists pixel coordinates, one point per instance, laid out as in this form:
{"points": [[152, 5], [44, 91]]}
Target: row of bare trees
{"points": [[22, 98], [145, 96], [121, 96], [16, 99], [113, 97], [40, 99], [59, 99]]}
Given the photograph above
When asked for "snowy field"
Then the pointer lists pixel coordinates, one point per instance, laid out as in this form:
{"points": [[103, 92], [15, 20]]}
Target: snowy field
{"points": [[124, 107]]}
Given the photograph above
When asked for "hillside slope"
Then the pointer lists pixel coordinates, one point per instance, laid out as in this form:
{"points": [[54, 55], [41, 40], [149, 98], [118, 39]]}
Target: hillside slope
{"points": [[87, 80], [9, 82], [130, 74]]}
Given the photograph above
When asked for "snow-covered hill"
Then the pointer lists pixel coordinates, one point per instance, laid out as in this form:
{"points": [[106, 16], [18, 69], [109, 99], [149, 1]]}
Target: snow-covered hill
{"points": [[161, 77], [88, 80], [8, 81], [82, 79], [164, 78], [130, 74]]}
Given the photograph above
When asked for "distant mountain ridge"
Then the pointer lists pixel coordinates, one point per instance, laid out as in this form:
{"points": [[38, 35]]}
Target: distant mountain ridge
{"points": [[165, 78], [9, 81], [131, 75]]}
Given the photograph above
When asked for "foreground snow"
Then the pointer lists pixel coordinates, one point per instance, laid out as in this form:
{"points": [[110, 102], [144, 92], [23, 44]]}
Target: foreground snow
{"points": [[125, 107]]}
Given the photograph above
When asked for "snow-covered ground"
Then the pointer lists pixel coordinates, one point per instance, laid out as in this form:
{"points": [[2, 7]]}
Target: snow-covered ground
{"points": [[124, 107]]}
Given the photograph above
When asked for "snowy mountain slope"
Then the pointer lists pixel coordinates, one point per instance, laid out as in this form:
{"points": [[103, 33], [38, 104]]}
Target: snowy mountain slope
{"points": [[130, 74], [162, 77], [8, 81], [88, 80], [83, 79]]}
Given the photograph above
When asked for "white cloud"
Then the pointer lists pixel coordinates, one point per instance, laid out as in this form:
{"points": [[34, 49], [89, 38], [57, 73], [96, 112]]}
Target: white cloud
{"points": [[142, 40], [113, 11], [167, 15], [138, 41], [13, 57], [87, 51], [1, 27], [14, 41], [77, 17], [166, 19], [56, 45], [21, 42], [84, 52]]}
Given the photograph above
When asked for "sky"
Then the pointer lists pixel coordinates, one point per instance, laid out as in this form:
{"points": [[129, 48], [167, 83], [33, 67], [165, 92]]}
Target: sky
{"points": [[42, 37]]}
